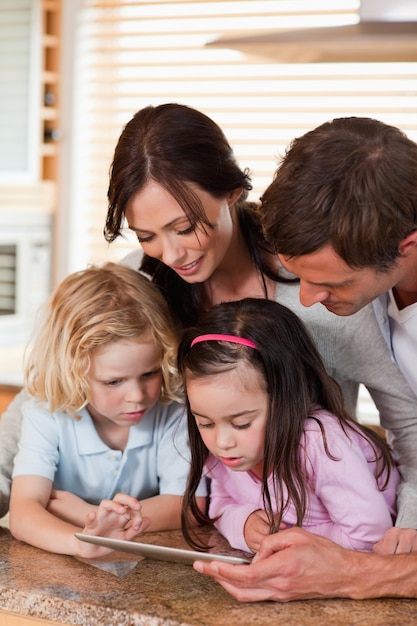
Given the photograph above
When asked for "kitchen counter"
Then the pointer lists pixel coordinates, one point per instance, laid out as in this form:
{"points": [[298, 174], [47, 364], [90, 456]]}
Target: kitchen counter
{"points": [[124, 590]]}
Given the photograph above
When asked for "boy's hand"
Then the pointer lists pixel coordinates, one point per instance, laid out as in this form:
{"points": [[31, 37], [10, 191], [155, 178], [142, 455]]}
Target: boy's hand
{"points": [[119, 518]]}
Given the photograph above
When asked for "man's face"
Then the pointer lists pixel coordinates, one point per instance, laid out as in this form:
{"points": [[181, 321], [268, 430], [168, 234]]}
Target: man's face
{"points": [[326, 278]]}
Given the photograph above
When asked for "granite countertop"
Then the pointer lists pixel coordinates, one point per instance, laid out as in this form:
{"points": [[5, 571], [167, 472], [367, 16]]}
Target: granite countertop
{"points": [[124, 590]]}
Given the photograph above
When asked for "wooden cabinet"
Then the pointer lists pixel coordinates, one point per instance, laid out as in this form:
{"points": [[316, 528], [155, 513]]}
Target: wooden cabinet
{"points": [[50, 93], [7, 393]]}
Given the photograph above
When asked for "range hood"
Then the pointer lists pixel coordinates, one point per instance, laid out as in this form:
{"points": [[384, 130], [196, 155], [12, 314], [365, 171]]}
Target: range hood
{"points": [[386, 32]]}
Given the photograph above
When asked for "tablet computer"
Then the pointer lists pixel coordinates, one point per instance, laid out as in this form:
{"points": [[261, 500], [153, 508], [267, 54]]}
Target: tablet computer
{"points": [[160, 553]]}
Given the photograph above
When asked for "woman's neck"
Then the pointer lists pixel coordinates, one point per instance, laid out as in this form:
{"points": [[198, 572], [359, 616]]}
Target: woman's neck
{"points": [[237, 277]]}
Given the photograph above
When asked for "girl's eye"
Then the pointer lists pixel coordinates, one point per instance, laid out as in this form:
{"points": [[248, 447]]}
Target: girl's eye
{"points": [[241, 426], [207, 425]]}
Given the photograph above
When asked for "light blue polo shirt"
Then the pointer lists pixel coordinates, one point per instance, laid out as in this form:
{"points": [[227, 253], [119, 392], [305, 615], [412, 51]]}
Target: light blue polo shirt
{"points": [[71, 454]]}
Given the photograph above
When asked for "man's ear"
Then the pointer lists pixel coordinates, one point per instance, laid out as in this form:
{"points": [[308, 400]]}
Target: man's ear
{"points": [[407, 244]]}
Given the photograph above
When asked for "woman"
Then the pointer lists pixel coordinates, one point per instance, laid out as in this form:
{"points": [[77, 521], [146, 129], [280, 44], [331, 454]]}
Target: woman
{"points": [[175, 179]]}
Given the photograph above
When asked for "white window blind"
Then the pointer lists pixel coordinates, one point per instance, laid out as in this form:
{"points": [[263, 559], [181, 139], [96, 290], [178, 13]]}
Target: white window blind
{"points": [[18, 95], [130, 54]]}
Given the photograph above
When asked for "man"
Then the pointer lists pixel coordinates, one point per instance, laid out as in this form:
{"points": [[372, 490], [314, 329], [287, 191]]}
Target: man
{"points": [[341, 213]]}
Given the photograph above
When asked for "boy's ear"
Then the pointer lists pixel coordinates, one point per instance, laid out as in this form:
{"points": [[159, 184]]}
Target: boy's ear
{"points": [[408, 243]]}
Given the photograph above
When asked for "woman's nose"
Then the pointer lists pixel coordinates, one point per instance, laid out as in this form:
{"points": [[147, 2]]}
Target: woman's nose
{"points": [[172, 254]]}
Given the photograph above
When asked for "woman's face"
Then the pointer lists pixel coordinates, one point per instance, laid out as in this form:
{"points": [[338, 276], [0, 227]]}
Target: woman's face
{"points": [[165, 232]]}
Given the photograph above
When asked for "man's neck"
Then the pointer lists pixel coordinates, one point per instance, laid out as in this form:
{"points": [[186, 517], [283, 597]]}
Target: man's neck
{"points": [[404, 298]]}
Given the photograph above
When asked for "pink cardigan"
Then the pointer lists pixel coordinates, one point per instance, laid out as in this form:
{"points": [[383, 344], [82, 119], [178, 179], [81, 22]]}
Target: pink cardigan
{"points": [[344, 502]]}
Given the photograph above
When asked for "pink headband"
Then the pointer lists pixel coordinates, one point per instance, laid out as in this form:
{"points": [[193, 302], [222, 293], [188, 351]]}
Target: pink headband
{"points": [[230, 338]]}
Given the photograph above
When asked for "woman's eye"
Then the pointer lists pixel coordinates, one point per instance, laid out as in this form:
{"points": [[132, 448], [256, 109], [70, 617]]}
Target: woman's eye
{"points": [[187, 231], [144, 239]]}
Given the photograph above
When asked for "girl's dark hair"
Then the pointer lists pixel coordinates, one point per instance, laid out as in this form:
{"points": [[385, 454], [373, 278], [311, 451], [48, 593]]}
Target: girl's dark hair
{"points": [[177, 146], [296, 382]]}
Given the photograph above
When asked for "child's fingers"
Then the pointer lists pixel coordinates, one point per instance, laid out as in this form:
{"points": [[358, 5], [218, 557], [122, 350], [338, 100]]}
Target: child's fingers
{"points": [[111, 506], [137, 522], [128, 501], [90, 518], [122, 505], [130, 517], [137, 527]]}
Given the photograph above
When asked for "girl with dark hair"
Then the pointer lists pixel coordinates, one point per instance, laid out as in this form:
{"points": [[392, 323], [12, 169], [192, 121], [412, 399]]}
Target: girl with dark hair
{"points": [[269, 428]]}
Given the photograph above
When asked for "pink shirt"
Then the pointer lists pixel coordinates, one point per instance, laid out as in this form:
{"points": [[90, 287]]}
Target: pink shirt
{"points": [[343, 499]]}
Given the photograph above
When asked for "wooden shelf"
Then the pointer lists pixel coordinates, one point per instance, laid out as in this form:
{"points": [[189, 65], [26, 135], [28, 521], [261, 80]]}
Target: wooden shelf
{"points": [[7, 393], [49, 150], [49, 117]]}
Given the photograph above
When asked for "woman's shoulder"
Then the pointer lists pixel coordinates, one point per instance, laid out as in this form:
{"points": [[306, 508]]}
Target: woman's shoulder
{"points": [[133, 259]]}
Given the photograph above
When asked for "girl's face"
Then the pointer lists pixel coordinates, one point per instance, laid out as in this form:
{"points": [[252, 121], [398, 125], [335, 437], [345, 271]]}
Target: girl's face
{"points": [[230, 411], [165, 232], [125, 381]]}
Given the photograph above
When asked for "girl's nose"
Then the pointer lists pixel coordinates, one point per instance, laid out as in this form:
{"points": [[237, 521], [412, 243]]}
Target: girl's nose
{"points": [[225, 439]]}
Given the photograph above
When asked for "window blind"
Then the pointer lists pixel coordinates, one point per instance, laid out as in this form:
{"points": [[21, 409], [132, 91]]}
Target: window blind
{"points": [[131, 54], [18, 103]]}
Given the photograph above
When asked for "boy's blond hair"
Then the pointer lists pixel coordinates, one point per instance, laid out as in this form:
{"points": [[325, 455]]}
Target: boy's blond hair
{"points": [[91, 308]]}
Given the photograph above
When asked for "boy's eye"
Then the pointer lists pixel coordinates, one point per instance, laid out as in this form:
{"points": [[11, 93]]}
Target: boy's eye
{"points": [[152, 373], [112, 383]]}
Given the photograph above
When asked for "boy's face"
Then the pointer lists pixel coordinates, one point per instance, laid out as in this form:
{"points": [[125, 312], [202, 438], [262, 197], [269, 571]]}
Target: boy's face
{"points": [[125, 382], [326, 278]]}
